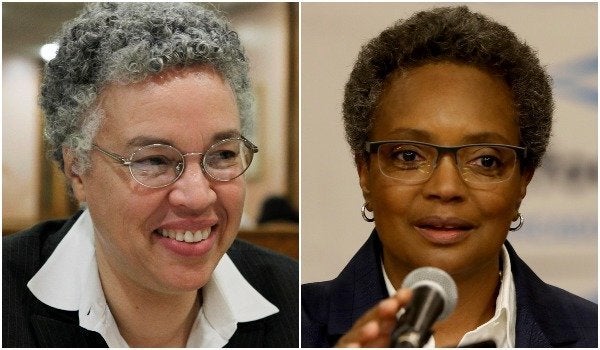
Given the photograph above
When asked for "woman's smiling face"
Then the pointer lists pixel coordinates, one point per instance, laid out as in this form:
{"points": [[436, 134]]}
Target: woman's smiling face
{"points": [[189, 109], [443, 222]]}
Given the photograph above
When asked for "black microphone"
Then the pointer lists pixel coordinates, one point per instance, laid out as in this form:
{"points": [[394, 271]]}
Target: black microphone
{"points": [[434, 298]]}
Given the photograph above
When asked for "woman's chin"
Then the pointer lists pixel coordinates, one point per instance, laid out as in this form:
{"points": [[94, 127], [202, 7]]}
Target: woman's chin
{"points": [[182, 281]]}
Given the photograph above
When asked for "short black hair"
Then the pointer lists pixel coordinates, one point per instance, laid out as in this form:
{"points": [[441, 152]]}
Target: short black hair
{"points": [[453, 34]]}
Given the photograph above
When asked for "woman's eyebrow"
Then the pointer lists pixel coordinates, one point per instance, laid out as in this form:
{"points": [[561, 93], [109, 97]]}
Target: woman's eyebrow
{"points": [[424, 136], [232, 133], [488, 137], [144, 140], [409, 134]]}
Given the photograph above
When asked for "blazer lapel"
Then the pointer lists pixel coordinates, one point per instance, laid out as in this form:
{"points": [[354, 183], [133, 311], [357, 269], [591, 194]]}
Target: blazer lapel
{"points": [[248, 335], [358, 287], [58, 328], [537, 324]]}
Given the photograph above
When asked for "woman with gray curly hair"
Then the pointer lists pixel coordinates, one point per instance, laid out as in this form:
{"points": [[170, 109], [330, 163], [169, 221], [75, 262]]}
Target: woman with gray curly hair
{"points": [[146, 106], [448, 115]]}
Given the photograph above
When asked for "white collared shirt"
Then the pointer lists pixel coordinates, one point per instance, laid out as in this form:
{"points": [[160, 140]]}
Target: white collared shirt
{"points": [[501, 327], [69, 281]]}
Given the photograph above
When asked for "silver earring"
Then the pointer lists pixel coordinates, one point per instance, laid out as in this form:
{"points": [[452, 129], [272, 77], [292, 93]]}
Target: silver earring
{"points": [[363, 212], [519, 225]]}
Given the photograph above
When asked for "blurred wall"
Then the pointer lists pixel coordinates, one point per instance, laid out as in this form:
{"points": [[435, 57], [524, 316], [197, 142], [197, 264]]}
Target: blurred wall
{"points": [[264, 31], [20, 134], [559, 239]]}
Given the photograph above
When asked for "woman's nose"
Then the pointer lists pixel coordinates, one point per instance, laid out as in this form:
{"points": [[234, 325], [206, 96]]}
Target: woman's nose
{"points": [[193, 190], [445, 183]]}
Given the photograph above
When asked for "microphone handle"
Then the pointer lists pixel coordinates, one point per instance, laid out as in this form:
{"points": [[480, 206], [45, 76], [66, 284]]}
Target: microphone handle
{"points": [[413, 328]]}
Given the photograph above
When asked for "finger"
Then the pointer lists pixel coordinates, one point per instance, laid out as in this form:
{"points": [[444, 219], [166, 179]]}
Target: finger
{"points": [[359, 334], [387, 317], [403, 295], [376, 325], [369, 331], [351, 345], [375, 336]]}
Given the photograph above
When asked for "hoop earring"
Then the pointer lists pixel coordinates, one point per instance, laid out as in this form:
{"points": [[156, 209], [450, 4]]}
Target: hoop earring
{"points": [[363, 212], [519, 225]]}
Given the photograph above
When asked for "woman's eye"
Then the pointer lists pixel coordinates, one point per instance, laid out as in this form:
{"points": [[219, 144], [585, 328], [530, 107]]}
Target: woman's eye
{"points": [[407, 156], [226, 154], [488, 161], [154, 160], [221, 158]]}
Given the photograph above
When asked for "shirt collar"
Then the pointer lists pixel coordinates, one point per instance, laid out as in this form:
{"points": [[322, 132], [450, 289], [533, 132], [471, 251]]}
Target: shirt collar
{"points": [[501, 327], [69, 281], [63, 277], [228, 299]]}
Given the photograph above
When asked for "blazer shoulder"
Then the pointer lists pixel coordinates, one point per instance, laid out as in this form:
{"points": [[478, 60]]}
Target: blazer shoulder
{"points": [[41, 240], [579, 315], [250, 259], [580, 309], [315, 314], [558, 317], [275, 277], [315, 297], [575, 303], [24, 252]]}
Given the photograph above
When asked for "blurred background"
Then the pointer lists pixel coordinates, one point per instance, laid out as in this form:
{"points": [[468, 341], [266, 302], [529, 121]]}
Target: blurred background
{"points": [[559, 239], [32, 187]]}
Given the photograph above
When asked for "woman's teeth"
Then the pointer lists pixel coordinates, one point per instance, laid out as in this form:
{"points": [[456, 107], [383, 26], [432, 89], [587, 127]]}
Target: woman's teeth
{"points": [[186, 236]]}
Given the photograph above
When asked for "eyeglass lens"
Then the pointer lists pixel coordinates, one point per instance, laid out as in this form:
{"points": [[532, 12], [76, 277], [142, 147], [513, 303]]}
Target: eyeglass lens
{"points": [[160, 165], [414, 163]]}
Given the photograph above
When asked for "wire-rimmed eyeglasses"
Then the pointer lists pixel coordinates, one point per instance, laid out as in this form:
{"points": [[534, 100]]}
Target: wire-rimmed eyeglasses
{"points": [[159, 165], [413, 162]]}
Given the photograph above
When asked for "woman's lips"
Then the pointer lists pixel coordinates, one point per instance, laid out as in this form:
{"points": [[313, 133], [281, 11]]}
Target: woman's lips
{"points": [[443, 230]]}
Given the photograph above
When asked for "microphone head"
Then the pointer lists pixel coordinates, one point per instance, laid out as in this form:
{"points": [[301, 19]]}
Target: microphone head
{"points": [[437, 279]]}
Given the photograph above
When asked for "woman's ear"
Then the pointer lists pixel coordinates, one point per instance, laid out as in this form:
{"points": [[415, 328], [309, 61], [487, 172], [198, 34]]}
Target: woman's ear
{"points": [[526, 176], [73, 177], [362, 166]]}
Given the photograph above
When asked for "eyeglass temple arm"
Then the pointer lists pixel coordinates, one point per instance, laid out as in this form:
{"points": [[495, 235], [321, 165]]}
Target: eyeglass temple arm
{"points": [[249, 143], [114, 156], [524, 149], [371, 146]]}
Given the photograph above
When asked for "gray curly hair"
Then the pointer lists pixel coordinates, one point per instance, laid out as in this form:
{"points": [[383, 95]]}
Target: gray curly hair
{"points": [[125, 43], [452, 34]]}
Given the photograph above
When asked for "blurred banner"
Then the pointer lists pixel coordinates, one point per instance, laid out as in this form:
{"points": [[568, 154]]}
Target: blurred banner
{"points": [[559, 239]]}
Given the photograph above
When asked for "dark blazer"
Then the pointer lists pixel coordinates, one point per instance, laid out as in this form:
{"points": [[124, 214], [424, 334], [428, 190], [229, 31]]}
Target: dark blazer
{"points": [[547, 316], [27, 322]]}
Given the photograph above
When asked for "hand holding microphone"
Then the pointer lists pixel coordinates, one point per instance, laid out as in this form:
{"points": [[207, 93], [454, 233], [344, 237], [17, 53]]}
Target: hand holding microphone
{"points": [[428, 294], [419, 297]]}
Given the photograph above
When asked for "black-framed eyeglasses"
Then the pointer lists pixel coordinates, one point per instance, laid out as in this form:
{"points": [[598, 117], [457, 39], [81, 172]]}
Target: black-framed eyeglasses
{"points": [[413, 162], [159, 165]]}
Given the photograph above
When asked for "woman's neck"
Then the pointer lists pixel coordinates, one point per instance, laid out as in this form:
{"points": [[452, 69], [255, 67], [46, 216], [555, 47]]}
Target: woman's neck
{"points": [[147, 318], [475, 306]]}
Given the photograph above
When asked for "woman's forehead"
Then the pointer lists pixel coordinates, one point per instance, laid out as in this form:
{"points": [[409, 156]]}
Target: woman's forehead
{"points": [[193, 105], [443, 98]]}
